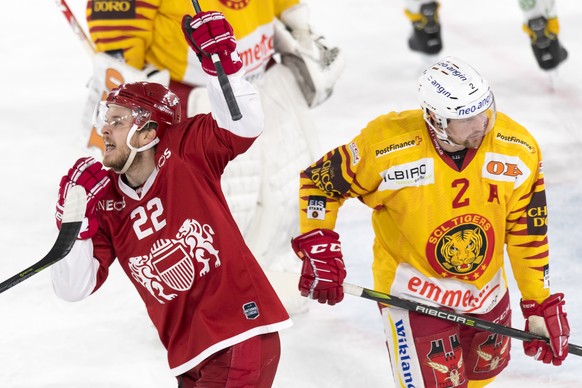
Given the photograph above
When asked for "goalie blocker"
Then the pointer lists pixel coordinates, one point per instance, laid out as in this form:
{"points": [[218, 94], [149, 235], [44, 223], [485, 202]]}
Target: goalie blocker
{"points": [[316, 66]]}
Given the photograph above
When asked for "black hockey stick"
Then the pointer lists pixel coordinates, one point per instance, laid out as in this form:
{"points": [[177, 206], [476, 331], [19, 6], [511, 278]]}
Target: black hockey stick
{"points": [[449, 316], [73, 214], [223, 79]]}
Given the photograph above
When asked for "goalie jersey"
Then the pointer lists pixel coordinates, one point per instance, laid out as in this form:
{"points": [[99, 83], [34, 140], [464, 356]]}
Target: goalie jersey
{"points": [[440, 229], [149, 31]]}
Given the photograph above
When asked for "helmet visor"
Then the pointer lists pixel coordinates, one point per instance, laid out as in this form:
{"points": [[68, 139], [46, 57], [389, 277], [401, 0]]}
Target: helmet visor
{"points": [[470, 131], [118, 116]]}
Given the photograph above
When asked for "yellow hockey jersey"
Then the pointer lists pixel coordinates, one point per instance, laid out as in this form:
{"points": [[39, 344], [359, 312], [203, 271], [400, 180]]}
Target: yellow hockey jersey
{"points": [[149, 31], [440, 230]]}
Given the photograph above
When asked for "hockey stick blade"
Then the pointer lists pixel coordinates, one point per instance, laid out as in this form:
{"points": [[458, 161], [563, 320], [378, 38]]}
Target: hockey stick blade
{"points": [[449, 315], [73, 214]]}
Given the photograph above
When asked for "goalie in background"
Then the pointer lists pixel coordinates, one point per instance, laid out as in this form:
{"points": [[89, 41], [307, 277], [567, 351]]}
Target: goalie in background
{"points": [[454, 186], [540, 24], [294, 70]]}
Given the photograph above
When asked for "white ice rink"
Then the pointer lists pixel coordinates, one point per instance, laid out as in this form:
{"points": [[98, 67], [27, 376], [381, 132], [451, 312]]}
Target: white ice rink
{"points": [[107, 341]]}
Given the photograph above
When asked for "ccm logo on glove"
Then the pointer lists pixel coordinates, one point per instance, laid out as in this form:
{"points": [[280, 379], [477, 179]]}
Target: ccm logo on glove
{"points": [[320, 248], [323, 271]]}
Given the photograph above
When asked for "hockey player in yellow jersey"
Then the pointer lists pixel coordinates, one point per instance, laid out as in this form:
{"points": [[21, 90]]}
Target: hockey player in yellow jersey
{"points": [[451, 186], [143, 40]]}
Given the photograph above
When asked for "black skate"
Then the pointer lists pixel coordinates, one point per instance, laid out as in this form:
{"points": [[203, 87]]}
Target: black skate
{"points": [[426, 35], [547, 49]]}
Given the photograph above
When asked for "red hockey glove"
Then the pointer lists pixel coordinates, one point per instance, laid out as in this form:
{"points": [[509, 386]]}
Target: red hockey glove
{"points": [[547, 319], [89, 173], [323, 271], [210, 33]]}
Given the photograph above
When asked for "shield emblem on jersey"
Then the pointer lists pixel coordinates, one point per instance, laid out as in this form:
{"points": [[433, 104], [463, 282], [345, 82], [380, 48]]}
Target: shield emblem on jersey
{"points": [[173, 264]]}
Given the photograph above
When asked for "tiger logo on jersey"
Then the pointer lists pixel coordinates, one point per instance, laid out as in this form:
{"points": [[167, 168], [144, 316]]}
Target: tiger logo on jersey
{"points": [[462, 250], [461, 247]]}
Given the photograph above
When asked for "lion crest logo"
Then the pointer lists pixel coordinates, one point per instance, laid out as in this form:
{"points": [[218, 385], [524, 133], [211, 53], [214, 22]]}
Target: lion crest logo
{"points": [[172, 263], [199, 239]]}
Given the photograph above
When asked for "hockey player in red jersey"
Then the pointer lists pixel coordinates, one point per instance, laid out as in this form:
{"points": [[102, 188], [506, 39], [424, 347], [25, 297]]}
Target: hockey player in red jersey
{"points": [[292, 66], [451, 185], [540, 24], [160, 212]]}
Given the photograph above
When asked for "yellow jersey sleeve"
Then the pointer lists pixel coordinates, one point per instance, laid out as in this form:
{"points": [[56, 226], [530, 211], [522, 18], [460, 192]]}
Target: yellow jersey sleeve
{"points": [[351, 170], [123, 25], [526, 222]]}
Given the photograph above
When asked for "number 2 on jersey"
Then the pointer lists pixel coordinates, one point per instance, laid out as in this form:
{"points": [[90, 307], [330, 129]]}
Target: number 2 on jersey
{"points": [[460, 200]]}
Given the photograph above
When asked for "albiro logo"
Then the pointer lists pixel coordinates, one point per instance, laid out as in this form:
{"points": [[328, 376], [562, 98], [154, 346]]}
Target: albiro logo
{"points": [[417, 173]]}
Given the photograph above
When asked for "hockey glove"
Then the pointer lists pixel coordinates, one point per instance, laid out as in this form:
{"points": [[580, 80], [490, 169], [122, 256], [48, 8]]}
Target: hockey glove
{"points": [[549, 320], [210, 33], [323, 271], [89, 173]]}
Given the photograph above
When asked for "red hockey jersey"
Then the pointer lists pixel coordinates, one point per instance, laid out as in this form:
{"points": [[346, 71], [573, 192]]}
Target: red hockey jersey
{"points": [[178, 243]]}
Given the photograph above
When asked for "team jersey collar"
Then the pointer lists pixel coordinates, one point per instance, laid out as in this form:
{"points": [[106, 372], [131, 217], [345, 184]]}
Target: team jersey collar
{"points": [[140, 192]]}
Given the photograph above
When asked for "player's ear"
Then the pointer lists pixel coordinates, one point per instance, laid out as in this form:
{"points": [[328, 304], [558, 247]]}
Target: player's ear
{"points": [[149, 132]]}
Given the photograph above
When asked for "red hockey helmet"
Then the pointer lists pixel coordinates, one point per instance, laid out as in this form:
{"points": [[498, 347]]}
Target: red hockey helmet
{"points": [[150, 102]]}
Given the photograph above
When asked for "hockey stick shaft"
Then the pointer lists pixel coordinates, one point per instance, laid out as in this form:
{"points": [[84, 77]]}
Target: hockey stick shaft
{"points": [[73, 214], [75, 26], [448, 315], [223, 79]]}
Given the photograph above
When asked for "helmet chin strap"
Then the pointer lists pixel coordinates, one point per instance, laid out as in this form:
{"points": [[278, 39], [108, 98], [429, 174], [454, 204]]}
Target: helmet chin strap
{"points": [[134, 150], [439, 129]]}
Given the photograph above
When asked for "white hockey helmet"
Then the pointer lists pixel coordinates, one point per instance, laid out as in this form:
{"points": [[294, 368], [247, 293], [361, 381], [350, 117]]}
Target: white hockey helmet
{"points": [[453, 90]]}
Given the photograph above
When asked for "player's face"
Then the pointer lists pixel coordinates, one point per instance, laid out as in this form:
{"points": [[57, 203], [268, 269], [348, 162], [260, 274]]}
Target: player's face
{"points": [[116, 126], [468, 132]]}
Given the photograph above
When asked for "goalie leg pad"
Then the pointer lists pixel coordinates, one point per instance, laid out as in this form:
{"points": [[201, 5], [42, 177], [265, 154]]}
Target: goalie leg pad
{"points": [[288, 144]]}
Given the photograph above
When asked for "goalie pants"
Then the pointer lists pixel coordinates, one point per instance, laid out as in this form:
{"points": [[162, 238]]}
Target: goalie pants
{"points": [[250, 364], [436, 353]]}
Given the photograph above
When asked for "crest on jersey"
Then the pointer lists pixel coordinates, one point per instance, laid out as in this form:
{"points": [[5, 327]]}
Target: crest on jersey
{"points": [[446, 361], [174, 263], [461, 247], [492, 353]]}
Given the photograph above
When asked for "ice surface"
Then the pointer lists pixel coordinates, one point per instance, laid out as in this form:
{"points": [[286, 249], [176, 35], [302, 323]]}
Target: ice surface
{"points": [[107, 341]]}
